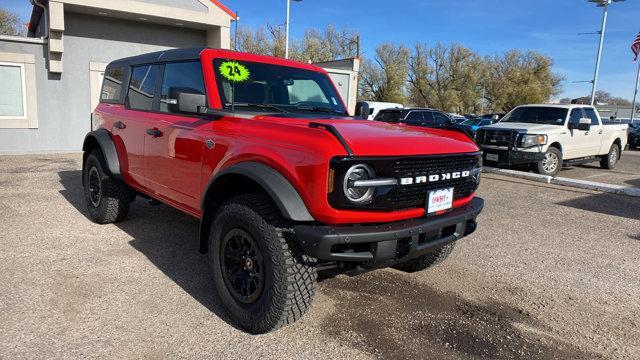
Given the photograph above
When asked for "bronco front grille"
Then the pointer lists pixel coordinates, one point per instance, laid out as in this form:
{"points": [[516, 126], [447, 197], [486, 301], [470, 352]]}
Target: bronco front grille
{"points": [[397, 197], [405, 196]]}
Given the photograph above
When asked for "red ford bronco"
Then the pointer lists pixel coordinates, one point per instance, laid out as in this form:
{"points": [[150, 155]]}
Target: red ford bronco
{"points": [[284, 182]]}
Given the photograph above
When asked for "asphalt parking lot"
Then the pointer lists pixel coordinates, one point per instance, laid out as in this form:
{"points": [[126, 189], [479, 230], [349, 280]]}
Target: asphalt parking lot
{"points": [[552, 272], [627, 172]]}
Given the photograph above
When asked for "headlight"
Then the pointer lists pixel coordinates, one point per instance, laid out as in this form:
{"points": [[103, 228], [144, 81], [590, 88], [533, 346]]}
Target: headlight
{"points": [[533, 140], [358, 194]]}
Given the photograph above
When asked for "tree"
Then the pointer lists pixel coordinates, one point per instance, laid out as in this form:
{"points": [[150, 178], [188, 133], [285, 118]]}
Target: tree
{"points": [[448, 78], [517, 78], [316, 45], [384, 78], [602, 97], [10, 23]]}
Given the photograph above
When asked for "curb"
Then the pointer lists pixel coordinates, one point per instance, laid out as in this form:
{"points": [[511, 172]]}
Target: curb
{"points": [[576, 183]]}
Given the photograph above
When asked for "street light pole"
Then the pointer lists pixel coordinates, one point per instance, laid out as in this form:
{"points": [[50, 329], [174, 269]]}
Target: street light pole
{"points": [[286, 37], [595, 74]]}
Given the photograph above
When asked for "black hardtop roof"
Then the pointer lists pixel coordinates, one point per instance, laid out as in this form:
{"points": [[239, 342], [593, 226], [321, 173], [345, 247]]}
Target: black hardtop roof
{"points": [[165, 55]]}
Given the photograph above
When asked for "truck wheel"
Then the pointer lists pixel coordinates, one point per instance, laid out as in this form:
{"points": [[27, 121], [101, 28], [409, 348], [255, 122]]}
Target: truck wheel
{"points": [[551, 164], [261, 276], [107, 199], [610, 160], [426, 261]]}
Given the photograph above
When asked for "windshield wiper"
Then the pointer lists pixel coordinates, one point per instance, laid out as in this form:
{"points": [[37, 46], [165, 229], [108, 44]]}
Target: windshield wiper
{"points": [[318, 108], [260, 106]]}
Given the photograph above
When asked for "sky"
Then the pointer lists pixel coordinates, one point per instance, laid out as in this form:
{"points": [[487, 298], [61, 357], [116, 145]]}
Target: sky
{"points": [[487, 27]]}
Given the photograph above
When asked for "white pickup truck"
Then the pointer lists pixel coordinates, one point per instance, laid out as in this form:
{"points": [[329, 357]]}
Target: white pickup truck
{"points": [[549, 136]]}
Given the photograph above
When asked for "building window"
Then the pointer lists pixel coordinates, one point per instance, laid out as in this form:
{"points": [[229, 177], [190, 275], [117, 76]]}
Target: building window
{"points": [[18, 98], [13, 101]]}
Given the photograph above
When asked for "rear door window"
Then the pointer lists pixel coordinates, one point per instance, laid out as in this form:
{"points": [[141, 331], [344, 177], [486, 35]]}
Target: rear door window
{"points": [[180, 77], [414, 118], [440, 119], [390, 116], [142, 87]]}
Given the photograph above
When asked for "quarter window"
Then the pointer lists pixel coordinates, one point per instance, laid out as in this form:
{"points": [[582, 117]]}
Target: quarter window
{"points": [[112, 85], [12, 97], [184, 77], [142, 87]]}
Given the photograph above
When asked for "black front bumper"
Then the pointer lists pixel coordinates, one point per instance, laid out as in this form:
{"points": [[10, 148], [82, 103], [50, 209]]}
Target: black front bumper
{"points": [[510, 157], [389, 243]]}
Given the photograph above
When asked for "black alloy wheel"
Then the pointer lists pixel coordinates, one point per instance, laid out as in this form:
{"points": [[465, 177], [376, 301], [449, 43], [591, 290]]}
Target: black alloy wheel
{"points": [[242, 266]]}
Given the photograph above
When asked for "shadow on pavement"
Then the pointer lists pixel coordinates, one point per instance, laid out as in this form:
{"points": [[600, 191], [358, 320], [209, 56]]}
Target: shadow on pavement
{"points": [[166, 237], [393, 316], [609, 204]]}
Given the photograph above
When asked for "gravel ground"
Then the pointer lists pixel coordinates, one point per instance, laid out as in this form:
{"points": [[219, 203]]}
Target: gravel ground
{"points": [[550, 273]]}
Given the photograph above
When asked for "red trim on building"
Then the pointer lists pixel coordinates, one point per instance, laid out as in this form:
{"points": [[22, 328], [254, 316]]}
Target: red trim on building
{"points": [[224, 8]]}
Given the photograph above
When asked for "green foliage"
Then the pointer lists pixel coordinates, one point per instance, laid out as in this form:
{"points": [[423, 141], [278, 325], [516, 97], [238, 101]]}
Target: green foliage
{"points": [[384, 78], [517, 78], [10, 23]]}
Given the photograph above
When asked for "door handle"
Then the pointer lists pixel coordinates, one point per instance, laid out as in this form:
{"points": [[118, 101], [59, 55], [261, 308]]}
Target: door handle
{"points": [[119, 125], [154, 132], [600, 131]]}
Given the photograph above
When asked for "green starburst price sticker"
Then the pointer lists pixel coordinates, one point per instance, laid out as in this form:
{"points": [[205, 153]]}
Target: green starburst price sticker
{"points": [[234, 71]]}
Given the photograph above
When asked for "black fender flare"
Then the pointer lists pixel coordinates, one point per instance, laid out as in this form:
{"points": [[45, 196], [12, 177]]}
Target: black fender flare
{"points": [[104, 140], [285, 196], [275, 184]]}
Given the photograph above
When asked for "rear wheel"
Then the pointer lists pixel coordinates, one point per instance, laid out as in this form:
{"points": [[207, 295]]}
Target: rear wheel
{"points": [[426, 261], [610, 160], [107, 199], [551, 163], [262, 278]]}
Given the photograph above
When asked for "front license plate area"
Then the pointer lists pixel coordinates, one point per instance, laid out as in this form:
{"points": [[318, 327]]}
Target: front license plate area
{"points": [[492, 157], [439, 200]]}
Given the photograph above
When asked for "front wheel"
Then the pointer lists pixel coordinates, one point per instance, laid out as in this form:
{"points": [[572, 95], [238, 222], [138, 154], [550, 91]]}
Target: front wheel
{"points": [[610, 160], [262, 278], [551, 163]]}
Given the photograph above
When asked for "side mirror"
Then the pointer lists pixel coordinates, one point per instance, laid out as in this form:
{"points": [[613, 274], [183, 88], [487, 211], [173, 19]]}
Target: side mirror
{"points": [[584, 124], [187, 101], [495, 117]]}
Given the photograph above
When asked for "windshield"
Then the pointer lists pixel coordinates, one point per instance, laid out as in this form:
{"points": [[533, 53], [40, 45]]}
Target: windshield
{"points": [[275, 88], [537, 115]]}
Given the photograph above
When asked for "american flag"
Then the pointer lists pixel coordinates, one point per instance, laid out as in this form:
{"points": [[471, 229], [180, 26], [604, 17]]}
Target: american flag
{"points": [[635, 47]]}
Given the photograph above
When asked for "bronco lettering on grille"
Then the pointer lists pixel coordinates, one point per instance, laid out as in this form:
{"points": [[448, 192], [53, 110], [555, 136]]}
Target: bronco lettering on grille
{"points": [[434, 177]]}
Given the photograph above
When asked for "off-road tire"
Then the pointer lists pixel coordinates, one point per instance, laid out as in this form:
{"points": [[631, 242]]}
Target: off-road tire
{"points": [[540, 168], [289, 276], [610, 160], [114, 195], [426, 261]]}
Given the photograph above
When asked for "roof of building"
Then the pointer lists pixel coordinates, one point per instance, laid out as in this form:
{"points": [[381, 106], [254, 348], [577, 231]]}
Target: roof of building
{"points": [[36, 13]]}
